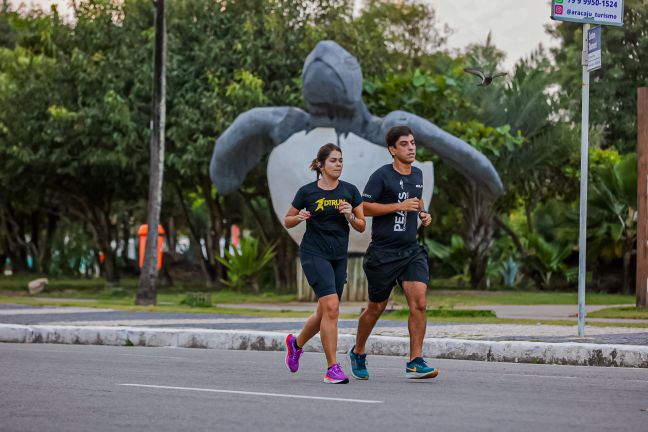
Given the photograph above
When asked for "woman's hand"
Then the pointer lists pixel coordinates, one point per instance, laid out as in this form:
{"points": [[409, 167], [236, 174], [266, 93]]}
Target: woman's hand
{"points": [[294, 217], [347, 210], [303, 215]]}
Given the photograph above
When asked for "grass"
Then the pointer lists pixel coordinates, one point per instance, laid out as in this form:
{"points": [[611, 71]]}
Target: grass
{"points": [[95, 289], [445, 313], [518, 321], [446, 298], [127, 305], [621, 312], [450, 299], [199, 299]]}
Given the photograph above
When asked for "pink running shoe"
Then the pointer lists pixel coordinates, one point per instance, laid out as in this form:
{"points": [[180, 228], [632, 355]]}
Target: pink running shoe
{"points": [[292, 354], [335, 375]]}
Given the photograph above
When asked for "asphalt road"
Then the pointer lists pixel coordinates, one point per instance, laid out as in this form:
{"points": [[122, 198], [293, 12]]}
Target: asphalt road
{"points": [[99, 388]]}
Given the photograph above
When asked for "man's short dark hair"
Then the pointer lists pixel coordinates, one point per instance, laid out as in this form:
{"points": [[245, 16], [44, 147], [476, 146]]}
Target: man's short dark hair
{"points": [[395, 132]]}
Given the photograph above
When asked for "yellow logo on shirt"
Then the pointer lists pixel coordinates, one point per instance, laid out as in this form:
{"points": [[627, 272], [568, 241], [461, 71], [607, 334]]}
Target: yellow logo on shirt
{"points": [[322, 203]]}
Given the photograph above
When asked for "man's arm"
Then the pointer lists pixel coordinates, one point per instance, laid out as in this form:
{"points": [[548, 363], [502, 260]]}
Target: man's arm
{"points": [[426, 218], [376, 209]]}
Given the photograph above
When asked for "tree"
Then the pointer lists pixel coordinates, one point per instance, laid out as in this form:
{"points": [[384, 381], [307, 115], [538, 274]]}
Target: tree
{"points": [[7, 37], [613, 94], [97, 122], [219, 67], [612, 229], [146, 292], [73, 118], [477, 206]]}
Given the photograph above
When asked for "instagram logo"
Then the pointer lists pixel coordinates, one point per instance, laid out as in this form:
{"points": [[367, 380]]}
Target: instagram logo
{"points": [[558, 9]]}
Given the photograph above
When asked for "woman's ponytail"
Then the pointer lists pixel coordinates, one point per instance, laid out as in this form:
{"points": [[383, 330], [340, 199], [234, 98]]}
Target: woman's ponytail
{"points": [[315, 166]]}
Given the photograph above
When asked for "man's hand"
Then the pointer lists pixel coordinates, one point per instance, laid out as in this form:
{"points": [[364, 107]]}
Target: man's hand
{"points": [[409, 205], [426, 218]]}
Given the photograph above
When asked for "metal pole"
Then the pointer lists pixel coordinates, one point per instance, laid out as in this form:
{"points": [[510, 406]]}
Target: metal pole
{"points": [[582, 240]]}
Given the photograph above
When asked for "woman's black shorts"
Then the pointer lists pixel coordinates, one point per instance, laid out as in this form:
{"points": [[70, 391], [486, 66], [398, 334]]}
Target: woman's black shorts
{"points": [[325, 276]]}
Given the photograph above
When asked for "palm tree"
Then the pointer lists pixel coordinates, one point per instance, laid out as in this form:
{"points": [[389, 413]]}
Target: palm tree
{"points": [[531, 170], [613, 216]]}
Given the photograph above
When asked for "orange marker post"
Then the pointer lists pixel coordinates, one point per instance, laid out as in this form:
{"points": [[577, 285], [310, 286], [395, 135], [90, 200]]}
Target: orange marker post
{"points": [[143, 232]]}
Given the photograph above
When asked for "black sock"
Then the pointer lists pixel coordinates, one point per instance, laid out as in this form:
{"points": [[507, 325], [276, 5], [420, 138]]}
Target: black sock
{"points": [[295, 343]]}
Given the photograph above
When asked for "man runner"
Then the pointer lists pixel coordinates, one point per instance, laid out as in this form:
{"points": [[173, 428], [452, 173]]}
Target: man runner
{"points": [[393, 196]]}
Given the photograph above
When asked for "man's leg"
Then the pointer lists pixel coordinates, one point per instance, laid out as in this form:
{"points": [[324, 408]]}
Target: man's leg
{"points": [[366, 323], [415, 293]]}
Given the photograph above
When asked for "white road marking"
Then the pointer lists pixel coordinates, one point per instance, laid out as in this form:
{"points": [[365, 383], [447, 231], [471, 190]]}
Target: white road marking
{"points": [[253, 393]]}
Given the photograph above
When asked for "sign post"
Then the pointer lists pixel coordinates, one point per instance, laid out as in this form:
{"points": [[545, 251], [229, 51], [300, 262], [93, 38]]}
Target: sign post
{"points": [[586, 12], [594, 49], [582, 232]]}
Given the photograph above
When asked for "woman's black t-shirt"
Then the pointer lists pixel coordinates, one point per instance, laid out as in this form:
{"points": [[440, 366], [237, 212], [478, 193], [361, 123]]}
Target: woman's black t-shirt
{"points": [[327, 230]]}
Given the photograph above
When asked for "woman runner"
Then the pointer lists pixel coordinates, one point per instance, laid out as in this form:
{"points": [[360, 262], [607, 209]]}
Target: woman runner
{"points": [[329, 206]]}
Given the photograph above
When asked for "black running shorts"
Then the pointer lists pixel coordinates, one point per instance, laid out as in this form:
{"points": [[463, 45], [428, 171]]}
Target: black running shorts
{"points": [[384, 269], [325, 276]]}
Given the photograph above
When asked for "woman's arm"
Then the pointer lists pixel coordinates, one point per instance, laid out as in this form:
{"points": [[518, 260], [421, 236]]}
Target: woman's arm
{"points": [[358, 223], [355, 216], [294, 217]]}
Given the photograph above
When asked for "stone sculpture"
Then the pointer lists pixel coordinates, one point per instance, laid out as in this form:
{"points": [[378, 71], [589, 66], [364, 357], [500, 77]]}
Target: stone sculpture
{"points": [[335, 112]]}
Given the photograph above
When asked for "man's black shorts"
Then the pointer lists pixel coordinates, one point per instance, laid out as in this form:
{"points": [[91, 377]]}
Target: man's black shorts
{"points": [[325, 276], [386, 268]]}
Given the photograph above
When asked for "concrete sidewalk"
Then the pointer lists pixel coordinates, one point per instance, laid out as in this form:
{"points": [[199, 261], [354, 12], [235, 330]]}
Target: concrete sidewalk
{"points": [[603, 346], [582, 354]]}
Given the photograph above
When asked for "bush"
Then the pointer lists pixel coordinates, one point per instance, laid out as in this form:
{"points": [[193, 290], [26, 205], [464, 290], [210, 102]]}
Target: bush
{"points": [[197, 299], [245, 264]]}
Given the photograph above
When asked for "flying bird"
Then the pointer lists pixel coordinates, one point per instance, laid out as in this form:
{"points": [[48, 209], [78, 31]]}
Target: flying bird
{"points": [[486, 79]]}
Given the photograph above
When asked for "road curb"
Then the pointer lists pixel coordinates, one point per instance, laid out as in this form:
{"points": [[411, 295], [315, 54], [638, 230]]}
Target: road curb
{"points": [[582, 354]]}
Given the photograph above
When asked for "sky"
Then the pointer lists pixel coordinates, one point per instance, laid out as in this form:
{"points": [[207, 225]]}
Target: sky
{"points": [[517, 26]]}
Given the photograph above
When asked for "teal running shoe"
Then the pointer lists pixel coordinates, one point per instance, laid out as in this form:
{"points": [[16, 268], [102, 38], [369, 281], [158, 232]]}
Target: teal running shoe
{"points": [[358, 365], [418, 369]]}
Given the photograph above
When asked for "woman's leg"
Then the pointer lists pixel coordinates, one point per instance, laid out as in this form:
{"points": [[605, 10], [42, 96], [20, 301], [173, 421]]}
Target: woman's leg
{"points": [[311, 327], [330, 306], [321, 277], [331, 311]]}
